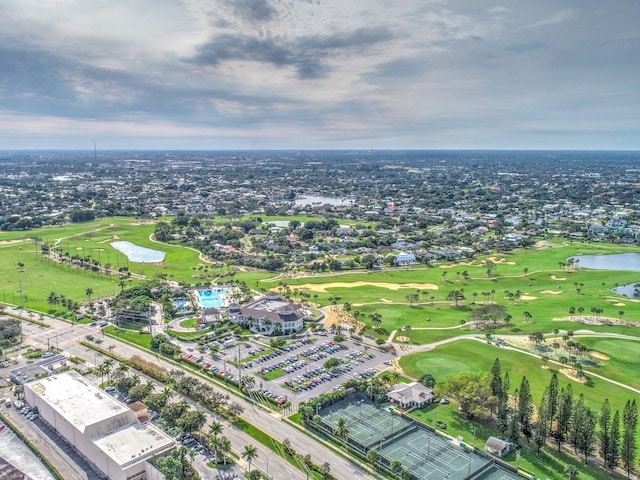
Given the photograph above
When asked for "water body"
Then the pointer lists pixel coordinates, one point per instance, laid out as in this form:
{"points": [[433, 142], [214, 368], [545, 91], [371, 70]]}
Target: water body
{"points": [[320, 200], [138, 254], [617, 261], [629, 290]]}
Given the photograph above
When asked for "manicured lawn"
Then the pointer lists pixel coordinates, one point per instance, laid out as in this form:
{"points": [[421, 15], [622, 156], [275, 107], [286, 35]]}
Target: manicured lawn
{"points": [[272, 375], [474, 356], [138, 338], [188, 336], [189, 323]]}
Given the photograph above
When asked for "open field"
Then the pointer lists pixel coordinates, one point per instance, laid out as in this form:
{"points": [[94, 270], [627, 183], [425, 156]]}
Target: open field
{"points": [[475, 356]]}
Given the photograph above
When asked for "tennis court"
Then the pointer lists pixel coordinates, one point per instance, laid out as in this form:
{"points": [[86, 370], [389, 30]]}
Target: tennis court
{"points": [[424, 453], [368, 425]]}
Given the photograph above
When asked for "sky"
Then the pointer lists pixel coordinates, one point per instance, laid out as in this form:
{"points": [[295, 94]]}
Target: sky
{"points": [[319, 74]]}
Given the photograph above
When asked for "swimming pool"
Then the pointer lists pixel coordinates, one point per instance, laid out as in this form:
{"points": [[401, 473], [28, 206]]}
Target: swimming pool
{"points": [[182, 305], [212, 298]]}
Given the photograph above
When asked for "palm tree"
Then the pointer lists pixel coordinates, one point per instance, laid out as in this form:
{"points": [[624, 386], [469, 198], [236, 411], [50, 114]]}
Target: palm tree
{"points": [[108, 365], [121, 371], [342, 430], [250, 453], [373, 456], [396, 467], [224, 447], [215, 428], [88, 292]]}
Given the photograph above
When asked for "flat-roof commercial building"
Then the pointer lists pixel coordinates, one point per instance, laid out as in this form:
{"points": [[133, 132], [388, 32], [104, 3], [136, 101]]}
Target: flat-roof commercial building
{"points": [[103, 430]]}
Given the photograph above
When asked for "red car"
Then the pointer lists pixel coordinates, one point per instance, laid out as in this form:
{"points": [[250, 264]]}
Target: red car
{"points": [[2, 425]]}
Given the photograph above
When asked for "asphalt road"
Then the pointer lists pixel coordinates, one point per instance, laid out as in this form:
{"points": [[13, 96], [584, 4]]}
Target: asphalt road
{"points": [[66, 337]]}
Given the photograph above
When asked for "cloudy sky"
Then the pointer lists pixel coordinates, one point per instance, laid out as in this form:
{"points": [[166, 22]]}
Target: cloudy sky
{"points": [[302, 74]]}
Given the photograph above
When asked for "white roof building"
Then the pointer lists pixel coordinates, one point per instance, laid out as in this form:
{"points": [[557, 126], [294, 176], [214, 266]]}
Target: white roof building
{"points": [[410, 395], [102, 429]]}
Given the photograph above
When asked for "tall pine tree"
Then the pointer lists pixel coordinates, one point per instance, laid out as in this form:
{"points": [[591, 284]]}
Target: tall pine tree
{"points": [[613, 459], [605, 431], [577, 417], [553, 400], [542, 424], [586, 433], [563, 420], [629, 428], [502, 419], [525, 408]]}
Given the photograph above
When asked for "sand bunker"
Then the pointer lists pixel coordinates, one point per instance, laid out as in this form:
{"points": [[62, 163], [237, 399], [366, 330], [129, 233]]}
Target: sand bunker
{"points": [[619, 304], [10, 242], [552, 292], [527, 297], [598, 355], [500, 261], [385, 300], [570, 373], [553, 277], [114, 237], [322, 287], [472, 263], [616, 299], [402, 339]]}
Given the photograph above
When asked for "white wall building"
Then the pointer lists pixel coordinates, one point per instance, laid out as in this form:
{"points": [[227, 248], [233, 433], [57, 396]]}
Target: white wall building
{"points": [[270, 314], [103, 430]]}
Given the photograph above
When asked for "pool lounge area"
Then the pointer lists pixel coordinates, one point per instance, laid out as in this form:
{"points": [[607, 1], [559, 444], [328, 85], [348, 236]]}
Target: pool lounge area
{"points": [[212, 297]]}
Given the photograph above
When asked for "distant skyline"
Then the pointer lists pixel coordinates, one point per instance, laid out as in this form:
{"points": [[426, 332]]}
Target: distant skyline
{"points": [[319, 74]]}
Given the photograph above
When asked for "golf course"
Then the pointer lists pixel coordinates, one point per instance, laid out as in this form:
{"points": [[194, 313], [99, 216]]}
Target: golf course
{"points": [[425, 311]]}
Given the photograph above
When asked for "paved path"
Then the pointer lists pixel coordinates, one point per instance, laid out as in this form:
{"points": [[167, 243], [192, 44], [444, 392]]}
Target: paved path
{"points": [[52, 452]]}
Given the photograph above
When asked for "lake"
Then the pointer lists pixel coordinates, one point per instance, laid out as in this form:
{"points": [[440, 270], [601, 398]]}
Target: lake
{"points": [[138, 254], [319, 200], [618, 261]]}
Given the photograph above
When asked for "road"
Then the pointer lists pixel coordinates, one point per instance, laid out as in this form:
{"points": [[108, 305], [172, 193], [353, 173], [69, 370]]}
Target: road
{"points": [[66, 337]]}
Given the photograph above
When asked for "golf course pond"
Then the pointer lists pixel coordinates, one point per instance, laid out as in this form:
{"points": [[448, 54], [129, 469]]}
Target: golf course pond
{"points": [[618, 261], [138, 254]]}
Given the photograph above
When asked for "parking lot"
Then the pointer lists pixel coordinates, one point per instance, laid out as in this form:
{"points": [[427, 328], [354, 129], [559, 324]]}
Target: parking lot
{"points": [[296, 371]]}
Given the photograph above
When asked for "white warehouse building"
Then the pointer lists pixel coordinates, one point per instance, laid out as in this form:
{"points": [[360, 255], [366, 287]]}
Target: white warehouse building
{"points": [[103, 430]]}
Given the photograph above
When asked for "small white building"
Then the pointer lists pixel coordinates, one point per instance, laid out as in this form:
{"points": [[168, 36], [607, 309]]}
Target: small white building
{"points": [[404, 258], [410, 395], [103, 430], [497, 447]]}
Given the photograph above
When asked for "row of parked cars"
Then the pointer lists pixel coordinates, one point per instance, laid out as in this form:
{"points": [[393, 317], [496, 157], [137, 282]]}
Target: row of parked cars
{"points": [[29, 413], [280, 399], [190, 441]]}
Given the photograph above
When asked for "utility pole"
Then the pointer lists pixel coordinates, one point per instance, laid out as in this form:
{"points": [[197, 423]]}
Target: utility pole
{"points": [[21, 297]]}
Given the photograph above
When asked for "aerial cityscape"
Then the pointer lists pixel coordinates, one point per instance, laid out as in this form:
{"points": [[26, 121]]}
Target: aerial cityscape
{"points": [[319, 240]]}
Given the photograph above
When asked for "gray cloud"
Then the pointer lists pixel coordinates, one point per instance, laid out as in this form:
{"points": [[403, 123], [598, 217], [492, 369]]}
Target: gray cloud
{"points": [[307, 54], [278, 73], [254, 10]]}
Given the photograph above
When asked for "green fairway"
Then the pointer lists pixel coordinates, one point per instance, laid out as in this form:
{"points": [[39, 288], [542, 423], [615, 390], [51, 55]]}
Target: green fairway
{"points": [[477, 356], [622, 364]]}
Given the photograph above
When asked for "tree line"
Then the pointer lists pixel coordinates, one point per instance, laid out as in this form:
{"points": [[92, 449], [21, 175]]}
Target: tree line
{"points": [[560, 417]]}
